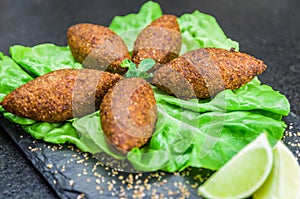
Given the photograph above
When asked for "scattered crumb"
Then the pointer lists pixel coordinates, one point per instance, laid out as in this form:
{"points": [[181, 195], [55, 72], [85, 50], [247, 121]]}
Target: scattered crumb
{"points": [[81, 196], [107, 176], [71, 183], [49, 166]]}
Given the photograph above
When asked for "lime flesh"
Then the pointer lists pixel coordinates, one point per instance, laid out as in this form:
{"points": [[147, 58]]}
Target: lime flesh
{"points": [[284, 179], [243, 174]]}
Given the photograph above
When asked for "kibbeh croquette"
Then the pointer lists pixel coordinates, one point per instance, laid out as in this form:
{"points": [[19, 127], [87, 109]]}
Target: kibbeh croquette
{"points": [[60, 95], [161, 41], [204, 72], [128, 111], [97, 47], [128, 114]]}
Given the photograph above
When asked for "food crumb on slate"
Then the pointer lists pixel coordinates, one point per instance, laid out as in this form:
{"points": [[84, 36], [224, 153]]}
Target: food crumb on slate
{"points": [[80, 196], [49, 166], [33, 149], [84, 172], [116, 183], [71, 183], [292, 140], [98, 181]]}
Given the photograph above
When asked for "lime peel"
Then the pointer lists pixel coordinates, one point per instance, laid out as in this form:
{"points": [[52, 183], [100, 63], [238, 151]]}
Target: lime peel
{"points": [[284, 179], [243, 174]]}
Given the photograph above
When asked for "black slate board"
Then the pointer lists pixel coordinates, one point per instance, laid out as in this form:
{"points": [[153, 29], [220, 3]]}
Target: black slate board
{"points": [[269, 30], [74, 174]]}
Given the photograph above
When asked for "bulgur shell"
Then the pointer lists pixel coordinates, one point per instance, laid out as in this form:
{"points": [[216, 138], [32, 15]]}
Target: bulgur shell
{"points": [[204, 72], [128, 114], [60, 95], [97, 47], [161, 41]]}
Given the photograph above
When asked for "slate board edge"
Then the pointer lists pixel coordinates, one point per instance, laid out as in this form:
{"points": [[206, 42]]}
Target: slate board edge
{"points": [[15, 132]]}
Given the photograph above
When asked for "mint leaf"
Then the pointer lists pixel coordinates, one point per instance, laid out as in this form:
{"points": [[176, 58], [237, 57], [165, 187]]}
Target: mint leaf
{"points": [[145, 75], [141, 71], [146, 64], [126, 63]]}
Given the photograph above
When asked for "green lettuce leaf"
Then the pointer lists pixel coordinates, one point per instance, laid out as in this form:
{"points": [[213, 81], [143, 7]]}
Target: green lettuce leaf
{"points": [[252, 96], [56, 133], [16, 119], [201, 30], [185, 137], [43, 58], [91, 133], [12, 76], [199, 134]]}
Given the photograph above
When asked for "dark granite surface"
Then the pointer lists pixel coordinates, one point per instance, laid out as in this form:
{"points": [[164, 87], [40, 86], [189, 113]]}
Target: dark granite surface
{"points": [[267, 29], [18, 178]]}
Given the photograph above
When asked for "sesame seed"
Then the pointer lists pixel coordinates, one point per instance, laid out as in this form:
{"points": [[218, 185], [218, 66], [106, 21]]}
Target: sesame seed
{"points": [[98, 181], [81, 196], [49, 166], [71, 182]]}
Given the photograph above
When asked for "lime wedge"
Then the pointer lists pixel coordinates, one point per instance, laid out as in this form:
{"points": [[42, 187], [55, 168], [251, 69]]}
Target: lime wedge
{"points": [[284, 179], [243, 174]]}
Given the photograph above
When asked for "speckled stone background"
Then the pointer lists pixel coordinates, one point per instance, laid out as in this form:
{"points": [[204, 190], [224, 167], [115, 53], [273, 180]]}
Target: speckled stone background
{"points": [[267, 29]]}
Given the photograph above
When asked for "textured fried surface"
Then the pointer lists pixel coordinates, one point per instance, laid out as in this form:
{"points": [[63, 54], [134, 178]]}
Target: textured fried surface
{"points": [[97, 47], [203, 73], [128, 114], [161, 41], [60, 95]]}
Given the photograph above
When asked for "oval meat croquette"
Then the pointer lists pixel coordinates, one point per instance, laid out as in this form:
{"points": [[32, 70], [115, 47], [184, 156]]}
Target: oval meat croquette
{"points": [[161, 41], [128, 114], [97, 47], [204, 72], [60, 95]]}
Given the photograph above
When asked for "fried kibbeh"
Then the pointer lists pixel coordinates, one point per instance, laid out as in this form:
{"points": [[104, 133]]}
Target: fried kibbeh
{"points": [[161, 41], [128, 114], [204, 72], [97, 47], [60, 95]]}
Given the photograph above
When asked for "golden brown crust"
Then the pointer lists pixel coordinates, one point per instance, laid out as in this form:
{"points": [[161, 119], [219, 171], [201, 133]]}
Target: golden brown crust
{"points": [[128, 114], [60, 95], [97, 47], [204, 72], [161, 41]]}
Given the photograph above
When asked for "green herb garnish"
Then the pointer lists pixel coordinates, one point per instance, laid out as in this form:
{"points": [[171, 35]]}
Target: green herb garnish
{"points": [[140, 71]]}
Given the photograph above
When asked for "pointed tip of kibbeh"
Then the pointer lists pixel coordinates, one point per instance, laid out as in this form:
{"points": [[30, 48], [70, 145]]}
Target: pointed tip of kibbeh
{"points": [[161, 40], [204, 72], [167, 21], [97, 47], [60, 95]]}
